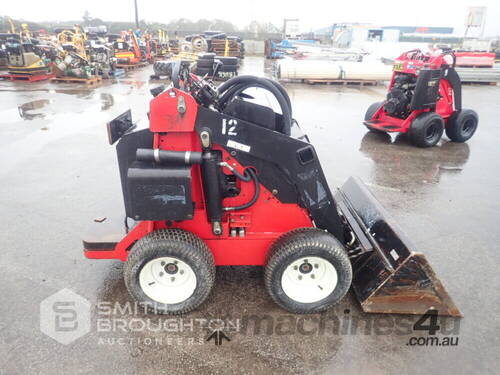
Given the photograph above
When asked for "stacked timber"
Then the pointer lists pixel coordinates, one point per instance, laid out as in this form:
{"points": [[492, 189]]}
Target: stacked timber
{"points": [[226, 47]]}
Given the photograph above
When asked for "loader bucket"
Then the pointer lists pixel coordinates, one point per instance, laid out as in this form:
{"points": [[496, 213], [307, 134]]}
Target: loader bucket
{"points": [[389, 276]]}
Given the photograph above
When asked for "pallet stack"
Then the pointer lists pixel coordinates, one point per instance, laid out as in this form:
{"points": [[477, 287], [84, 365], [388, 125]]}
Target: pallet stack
{"points": [[27, 77], [226, 47], [128, 67], [94, 81]]}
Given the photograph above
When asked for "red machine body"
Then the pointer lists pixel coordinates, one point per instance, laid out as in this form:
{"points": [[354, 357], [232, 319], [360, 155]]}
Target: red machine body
{"points": [[412, 63], [267, 219], [424, 99], [218, 180]]}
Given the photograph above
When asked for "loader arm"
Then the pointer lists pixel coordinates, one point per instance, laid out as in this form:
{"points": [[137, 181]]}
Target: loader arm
{"points": [[287, 166]]}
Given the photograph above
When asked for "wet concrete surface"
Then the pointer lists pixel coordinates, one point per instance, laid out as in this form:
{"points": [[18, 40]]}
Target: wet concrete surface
{"points": [[58, 173]]}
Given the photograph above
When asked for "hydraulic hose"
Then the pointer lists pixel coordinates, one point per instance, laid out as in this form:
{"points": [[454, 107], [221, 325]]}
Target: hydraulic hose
{"points": [[238, 84], [250, 81], [240, 87], [246, 177], [249, 175]]}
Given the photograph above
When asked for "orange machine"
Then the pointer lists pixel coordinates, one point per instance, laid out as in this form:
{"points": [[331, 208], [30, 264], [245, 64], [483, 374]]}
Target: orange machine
{"points": [[127, 49]]}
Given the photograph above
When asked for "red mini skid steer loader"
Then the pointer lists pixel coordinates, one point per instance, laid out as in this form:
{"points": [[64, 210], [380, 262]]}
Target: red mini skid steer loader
{"points": [[220, 180], [424, 99]]}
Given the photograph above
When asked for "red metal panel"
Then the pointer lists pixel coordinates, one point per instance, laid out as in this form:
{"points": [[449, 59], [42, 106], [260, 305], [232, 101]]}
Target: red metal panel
{"points": [[472, 58], [266, 220], [121, 249], [164, 115]]}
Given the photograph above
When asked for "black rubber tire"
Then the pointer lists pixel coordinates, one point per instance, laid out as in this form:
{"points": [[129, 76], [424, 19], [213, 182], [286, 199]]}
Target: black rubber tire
{"points": [[163, 68], [202, 63], [462, 125], [369, 114], [372, 109], [206, 55], [228, 68], [426, 130], [297, 244], [228, 60], [203, 71], [180, 244]]}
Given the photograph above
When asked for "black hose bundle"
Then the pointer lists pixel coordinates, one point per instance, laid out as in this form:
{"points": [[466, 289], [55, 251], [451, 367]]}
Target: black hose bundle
{"points": [[249, 175], [235, 86]]}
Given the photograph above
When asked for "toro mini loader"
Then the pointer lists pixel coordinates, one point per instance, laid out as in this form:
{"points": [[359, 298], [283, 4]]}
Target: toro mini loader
{"points": [[424, 99], [220, 180]]}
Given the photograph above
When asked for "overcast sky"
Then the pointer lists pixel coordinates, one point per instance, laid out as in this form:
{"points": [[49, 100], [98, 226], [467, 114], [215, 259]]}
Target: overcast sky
{"points": [[313, 14]]}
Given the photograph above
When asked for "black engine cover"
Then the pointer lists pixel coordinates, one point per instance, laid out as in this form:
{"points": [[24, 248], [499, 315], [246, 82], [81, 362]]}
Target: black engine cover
{"points": [[426, 92]]}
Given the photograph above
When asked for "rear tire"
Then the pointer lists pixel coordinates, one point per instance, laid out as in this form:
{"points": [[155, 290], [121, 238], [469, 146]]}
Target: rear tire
{"points": [[204, 63], [228, 60], [462, 125], [207, 56], [228, 68], [202, 71], [426, 130], [170, 271], [307, 271], [372, 109]]}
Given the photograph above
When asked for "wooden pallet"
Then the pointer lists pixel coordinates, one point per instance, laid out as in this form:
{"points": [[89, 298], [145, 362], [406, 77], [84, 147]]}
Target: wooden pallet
{"points": [[479, 83], [476, 66], [128, 67], [342, 82], [219, 47], [222, 42], [27, 77], [94, 81]]}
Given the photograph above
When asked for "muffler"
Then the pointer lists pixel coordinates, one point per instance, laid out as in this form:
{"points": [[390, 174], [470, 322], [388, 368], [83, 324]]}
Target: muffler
{"points": [[389, 276]]}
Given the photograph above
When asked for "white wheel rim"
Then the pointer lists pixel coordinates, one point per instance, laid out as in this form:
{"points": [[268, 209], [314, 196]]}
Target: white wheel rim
{"points": [[309, 279], [167, 280]]}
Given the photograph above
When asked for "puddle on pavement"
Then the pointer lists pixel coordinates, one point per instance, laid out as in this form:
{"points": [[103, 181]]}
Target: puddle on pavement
{"points": [[392, 155], [78, 93], [107, 101], [44, 108], [30, 110], [136, 84]]}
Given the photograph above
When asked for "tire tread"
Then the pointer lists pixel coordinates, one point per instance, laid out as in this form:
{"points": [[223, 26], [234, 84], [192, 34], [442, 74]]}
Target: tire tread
{"points": [[294, 241], [186, 245]]}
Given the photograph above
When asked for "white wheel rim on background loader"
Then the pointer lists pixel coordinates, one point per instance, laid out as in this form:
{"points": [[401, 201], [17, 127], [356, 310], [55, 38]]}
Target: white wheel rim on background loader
{"points": [[167, 280], [309, 279]]}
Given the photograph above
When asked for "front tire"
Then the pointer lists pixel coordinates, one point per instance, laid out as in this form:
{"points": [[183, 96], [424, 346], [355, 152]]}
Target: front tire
{"points": [[170, 271], [307, 271], [427, 129], [372, 109], [462, 125]]}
